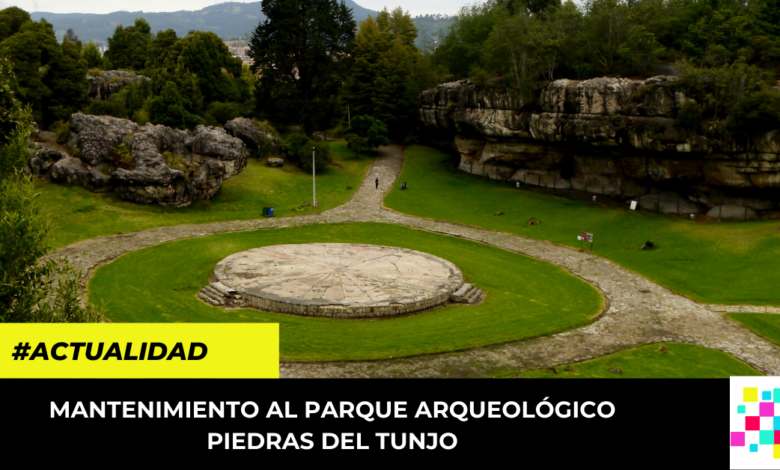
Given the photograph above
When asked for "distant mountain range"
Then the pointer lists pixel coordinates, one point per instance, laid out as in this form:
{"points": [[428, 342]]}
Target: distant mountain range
{"points": [[231, 19]]}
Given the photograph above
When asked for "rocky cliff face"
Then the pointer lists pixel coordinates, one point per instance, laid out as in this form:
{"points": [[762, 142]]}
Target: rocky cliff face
{"points": [[608, 136], [146, 164]]}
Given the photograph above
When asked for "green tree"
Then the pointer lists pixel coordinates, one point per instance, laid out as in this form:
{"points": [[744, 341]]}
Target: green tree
{"points": [[395, 94], [398, 24], [383, 79], [207, 56], [297, 149], [641, 49], [298, 51], [167, 109], [163, 52], [369, 46], [33, 50], [607, 25], [462, 47], [11, 21], [9, 106], [366, 133], [31, 290], [67, 80], [92, 56], [128, 47]]}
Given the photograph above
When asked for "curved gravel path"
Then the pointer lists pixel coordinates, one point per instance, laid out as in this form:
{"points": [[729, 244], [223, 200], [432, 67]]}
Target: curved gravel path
{"points": [[639, 310]]}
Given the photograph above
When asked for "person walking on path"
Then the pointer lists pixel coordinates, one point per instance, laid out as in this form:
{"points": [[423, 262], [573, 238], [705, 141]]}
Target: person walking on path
{"points": [[377, 183]]}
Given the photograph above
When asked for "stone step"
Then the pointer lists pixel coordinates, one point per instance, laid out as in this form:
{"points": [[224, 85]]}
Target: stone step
{"points": [[207, 299], [213, 292], [461, 295], [223, 289], [473, 296], [212, 298]]}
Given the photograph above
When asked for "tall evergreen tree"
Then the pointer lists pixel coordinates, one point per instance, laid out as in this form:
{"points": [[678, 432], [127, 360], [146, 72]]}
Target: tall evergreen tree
{"points": [[381, 81], [128, 47], [298, 51], [32, 50], [370, 44], [91, 54], [67, 81]]}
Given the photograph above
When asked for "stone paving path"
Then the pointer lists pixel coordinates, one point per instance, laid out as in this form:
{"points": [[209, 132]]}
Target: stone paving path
{"points": [[638, 312]]}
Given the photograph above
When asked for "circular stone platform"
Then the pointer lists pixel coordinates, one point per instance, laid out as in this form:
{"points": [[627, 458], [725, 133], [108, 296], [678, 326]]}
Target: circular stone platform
{"points": [[339, 280]]}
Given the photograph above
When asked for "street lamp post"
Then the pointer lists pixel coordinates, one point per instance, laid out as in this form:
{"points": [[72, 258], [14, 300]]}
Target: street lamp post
{"points": [[313, 179]]}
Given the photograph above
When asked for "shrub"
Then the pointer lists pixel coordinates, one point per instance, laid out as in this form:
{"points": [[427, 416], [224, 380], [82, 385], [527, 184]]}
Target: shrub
{"points": [[356, 143], [122, 157], [140, 117], [297, 149], [62, 130], [175, 162], [264, 148], [101, 108], [291, 146], [266, 127], [224, 112], [757, 112], [689, 116], [371, 129], [191, 121]]}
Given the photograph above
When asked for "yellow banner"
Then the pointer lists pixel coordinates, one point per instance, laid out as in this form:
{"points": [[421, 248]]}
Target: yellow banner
{"points": [[139, 350]]}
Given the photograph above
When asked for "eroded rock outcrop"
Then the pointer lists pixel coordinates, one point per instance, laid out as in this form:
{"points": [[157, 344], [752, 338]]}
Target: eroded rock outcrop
{"points": [[251, 134], [108, 82], [609, 136], [152, 164]]}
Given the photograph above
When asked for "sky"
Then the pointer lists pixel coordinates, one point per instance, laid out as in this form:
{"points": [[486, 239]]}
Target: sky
{"points": [[415, 7]]}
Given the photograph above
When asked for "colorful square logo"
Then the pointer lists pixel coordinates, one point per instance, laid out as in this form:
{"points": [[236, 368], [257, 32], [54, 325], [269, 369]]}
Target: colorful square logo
{"points": [[752, 423]]}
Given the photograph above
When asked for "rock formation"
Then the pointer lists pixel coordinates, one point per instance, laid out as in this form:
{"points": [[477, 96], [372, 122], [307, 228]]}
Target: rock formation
{"points": [[108, 82], [148, 164], [251, 134], [609, 136]]}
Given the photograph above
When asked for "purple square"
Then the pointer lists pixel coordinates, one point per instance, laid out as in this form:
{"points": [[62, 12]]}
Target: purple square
{"points": [[766, 409], [737, 439]]}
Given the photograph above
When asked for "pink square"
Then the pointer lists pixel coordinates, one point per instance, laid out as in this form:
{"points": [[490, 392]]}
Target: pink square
{"points": [[766, 408], [737, 439], [752, 423]]}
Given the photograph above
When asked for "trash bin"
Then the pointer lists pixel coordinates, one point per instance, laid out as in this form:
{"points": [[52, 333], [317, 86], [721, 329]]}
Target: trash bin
{"points": [[403, 185], [268, 211]]}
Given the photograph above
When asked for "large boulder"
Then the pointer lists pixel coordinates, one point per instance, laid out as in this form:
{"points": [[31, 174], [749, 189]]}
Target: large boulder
{"points": [[108, 82], [43, 159], [157, 165], [73, 170], [97, 136], [275, 162], [216, 143], [250, 133]]}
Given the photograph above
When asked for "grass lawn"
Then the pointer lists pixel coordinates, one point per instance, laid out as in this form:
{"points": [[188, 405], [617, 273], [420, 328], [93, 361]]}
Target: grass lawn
{"points": [[526, 297], [678, 361], [765, 324], [81, 214], [717, 262]]}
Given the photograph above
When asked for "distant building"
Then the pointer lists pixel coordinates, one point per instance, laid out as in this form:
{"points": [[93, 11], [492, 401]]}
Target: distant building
{"points": [[241, 51]]}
